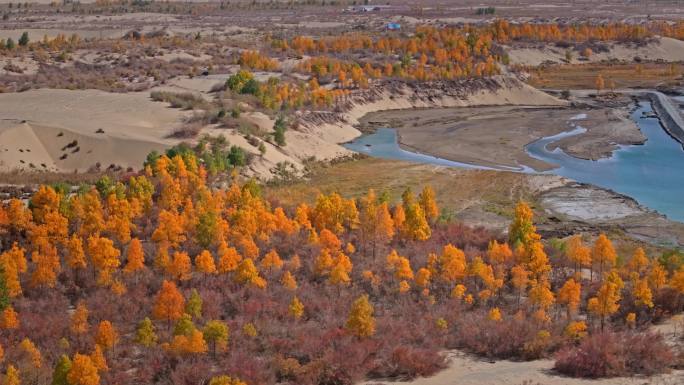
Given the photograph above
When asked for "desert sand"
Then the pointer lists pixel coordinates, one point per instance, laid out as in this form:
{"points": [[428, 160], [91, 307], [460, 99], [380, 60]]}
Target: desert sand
{"points": [[664, 48], [36, 126], [467, 370]]}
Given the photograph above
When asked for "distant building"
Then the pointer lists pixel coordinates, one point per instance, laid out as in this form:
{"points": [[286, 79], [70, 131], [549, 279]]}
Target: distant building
{"points": [[366, 8], [393, 26]]}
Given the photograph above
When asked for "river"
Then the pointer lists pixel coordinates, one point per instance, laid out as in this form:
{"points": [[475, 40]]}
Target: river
{"points": [[651, 173]]}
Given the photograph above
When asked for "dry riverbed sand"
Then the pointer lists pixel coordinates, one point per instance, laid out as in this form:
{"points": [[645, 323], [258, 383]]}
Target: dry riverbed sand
{"points": [[497, 135]]}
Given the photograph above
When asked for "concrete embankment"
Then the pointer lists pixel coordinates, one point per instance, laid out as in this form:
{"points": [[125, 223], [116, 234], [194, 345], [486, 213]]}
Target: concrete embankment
{"points": [[669, 115]]}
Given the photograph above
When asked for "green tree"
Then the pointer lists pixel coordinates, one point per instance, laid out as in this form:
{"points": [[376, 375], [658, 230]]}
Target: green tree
{"points": [[145, 334], [237, 156], [279, 128], [184, 326], [216, 333], [194, 304], [24, 39], [4, 291], [59, 376], [10, 44]]}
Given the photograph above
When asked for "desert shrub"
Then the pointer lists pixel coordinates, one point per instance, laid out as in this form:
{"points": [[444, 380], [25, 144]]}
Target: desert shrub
{"points": [[611, 354], [510, 338], [407, 362], [187, 130], [184, 100]]}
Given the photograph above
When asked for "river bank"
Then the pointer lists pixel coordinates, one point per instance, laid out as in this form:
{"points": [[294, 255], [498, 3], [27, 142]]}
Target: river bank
{"points": [[495, 136]]}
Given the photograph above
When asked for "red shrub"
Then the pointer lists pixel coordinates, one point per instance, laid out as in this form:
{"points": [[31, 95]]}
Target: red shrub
{"points": [[615, 354]]}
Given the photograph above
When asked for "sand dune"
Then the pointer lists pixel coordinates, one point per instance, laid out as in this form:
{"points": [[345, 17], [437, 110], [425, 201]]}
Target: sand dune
{"points": [[121, 129], [107, 128], [666, 49]]}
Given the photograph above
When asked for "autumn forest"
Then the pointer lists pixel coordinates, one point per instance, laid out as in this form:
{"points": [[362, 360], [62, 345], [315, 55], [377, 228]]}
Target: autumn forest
{"points": [[162, 279]]}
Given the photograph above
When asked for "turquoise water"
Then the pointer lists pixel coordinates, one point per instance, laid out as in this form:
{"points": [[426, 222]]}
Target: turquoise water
{"points": [[652, 173]]}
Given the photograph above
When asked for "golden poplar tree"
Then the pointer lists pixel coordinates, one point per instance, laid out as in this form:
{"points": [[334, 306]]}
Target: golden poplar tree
{"points": [[603, 253], [361, 322], [570, 295], [79, 319], [135, 257], [606, 301], [106, 335], [169, 304], [83, 371], [204, 263]]}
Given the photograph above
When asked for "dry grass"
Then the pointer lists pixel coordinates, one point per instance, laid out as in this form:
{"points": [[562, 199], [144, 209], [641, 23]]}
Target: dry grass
{"points": [[457, 189], [583, 76]]}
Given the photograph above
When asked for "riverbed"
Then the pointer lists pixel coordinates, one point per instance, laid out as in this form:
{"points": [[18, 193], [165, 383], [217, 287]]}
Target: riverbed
{"points": [[649, 173]]}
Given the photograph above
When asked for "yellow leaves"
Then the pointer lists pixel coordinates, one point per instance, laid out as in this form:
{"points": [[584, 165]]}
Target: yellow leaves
{"points": [[75, 255], [569, 295], [288, 281], [88, 209], [180, 267], [192, 344], [416, 226], [540, 294], [400, 266], [226, 380], [458, 291], [537, 260], [495, 314], [228, 258], [12, 376], [522, 230], [47, 265], [106, 335], [404, 287], [9, 319], [603, 252], [14, 258], [145, 333], [170, 229], [519, 277], [361, 322], [271, 261], [324, 263], [578, 254], [329, 241], [657, 275], [32, 351], [499, 253], [79, 319], [249, 330], [247, 273], [423, 276], [452, 264], [135, 257], [575, 330], [606, 301], [630, 319], [639, 261], [169, 304], [104, 255], [339, 275], [45, 200], [427, 202], [98, 359], [334, 213], [642, 293], [677, 280], [296, 308], [18, 216]]}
